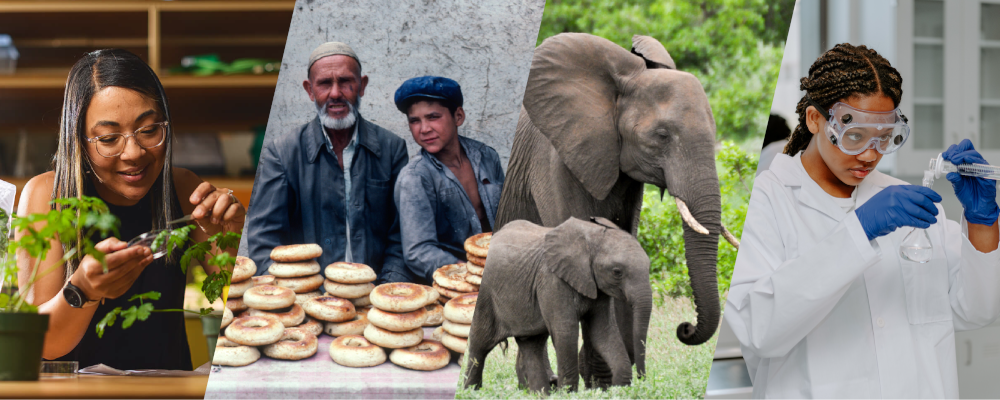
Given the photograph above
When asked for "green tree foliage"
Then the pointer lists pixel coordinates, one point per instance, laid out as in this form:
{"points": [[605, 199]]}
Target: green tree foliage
{"points": [[662, 235], [734, 47]]}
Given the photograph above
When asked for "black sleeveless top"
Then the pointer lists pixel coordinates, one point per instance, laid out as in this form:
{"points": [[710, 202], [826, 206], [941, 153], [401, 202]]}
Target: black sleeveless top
{"points": [[160, 342]]}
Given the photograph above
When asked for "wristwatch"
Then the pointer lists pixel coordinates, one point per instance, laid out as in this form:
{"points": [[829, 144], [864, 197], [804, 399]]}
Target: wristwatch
{"points": [[75, 297]]}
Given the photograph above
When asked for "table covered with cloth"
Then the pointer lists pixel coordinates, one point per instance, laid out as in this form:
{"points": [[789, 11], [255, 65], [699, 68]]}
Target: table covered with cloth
{"points": [[319, 377]]}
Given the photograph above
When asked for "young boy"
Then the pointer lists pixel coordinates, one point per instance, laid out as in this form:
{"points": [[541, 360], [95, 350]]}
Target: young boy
{"points": [[450, 190]]}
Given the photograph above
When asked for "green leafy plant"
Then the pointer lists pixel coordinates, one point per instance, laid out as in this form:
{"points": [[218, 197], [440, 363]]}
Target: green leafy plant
{"points": [[70, 219], [662, 236], [87, 217], [211, 251]]}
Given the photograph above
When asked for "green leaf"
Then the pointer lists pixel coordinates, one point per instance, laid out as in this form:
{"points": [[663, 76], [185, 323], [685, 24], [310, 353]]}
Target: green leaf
{"points": [[145, 296], [228, 240], [213, 284], [144, 311], [130, 315], [4, 299], [222, 260], [160, 240], [195, 252], [179, 238], [108, 320], [206, 311]]}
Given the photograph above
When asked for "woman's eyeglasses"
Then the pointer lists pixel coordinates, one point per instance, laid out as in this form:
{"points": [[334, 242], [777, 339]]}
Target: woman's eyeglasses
{"points": [[147, 137]]}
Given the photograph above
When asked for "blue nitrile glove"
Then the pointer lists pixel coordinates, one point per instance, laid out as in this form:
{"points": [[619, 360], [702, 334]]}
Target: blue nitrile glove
{"points": [[978, 195], [898, 206]]}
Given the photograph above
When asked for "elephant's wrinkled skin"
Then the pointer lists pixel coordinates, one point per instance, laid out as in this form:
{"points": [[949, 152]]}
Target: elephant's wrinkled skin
{"points": [[555, 281], [597, 122]]}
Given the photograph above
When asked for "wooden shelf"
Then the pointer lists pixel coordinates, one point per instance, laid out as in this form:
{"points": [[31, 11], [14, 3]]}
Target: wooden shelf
{"points": [[241, 186], [122, 6], [70, 42], [35, 80]]}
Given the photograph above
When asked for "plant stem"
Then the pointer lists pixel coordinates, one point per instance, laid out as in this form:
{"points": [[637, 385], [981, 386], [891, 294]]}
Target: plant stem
{"points": [[35, 276]]}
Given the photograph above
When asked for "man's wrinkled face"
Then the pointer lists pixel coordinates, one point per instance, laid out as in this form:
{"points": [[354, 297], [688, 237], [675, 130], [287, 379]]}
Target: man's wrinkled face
{"points": [[433, 126], [336, 86]]}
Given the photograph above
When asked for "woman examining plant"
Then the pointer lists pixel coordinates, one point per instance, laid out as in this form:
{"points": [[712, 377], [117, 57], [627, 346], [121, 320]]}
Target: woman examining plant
{"points": [[115, 144]]}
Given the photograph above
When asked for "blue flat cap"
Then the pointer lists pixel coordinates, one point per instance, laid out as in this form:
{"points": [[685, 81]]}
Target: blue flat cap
{"points": [[434, 87]]}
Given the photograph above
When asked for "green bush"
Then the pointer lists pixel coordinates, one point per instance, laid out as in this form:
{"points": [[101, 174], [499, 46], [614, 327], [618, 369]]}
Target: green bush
{"points": [[662, 236]]}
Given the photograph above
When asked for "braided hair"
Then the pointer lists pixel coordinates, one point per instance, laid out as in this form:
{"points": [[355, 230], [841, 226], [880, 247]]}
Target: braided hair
{"points": [[842, 72]]}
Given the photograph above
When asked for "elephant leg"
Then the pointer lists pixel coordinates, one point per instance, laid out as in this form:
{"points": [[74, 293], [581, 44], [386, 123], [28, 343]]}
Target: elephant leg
{"points": [[476, 358], [593, 369], [482, 339], [565, 337], [531, 365], [600, 331], [553, 378]]}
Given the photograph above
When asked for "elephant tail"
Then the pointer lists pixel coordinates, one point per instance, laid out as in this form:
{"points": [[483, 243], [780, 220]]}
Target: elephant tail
{"points": [[503, 346]]}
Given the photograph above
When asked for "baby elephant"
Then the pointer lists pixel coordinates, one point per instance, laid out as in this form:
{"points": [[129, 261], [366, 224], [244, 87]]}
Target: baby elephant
{"points": [[542, 282]]}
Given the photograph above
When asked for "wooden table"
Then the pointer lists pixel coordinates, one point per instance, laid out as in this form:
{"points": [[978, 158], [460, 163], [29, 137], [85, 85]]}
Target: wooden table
{"points": [[99, 386]]}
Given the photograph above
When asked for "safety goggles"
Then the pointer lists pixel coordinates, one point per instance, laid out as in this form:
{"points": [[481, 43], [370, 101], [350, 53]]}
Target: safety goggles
{"points": [[855, 131]]}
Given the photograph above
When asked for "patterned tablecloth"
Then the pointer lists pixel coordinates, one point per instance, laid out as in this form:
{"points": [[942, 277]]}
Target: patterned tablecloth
{"points": [[319, 377]]}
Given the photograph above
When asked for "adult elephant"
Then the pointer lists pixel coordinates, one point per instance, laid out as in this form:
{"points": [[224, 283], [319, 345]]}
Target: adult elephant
{"points": [[597, 123]]}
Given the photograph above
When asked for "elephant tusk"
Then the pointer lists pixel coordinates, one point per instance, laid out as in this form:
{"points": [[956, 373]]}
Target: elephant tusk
{"points": [[730, 238], [688, 218]]}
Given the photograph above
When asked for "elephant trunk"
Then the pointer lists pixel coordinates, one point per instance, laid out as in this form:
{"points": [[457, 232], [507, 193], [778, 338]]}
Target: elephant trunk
{"points": [[700, 193], [642, 306]]}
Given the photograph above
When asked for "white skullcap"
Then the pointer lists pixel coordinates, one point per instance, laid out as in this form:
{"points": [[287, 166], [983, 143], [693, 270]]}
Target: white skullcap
{"points": [[332, 49]]}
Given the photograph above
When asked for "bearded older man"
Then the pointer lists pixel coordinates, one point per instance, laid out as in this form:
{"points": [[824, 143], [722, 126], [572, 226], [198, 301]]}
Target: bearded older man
{"points": [[330, 181]]}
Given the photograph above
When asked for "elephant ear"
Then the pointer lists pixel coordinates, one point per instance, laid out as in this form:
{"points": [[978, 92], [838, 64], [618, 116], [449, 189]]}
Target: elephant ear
{"points": [[604, 222], [572, 96], [653, 52], [567, 255]]}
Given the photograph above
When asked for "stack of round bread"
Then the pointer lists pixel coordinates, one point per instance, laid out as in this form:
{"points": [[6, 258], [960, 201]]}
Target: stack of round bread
{"points": [[400, 310], [268, 324], [239, 283], [452, 280], [476, 249], [295, 268], [350, 281], [457, 322]]}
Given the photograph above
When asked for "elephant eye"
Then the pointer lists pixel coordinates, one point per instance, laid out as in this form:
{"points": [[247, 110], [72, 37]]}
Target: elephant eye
{"points": [[618, 272]]}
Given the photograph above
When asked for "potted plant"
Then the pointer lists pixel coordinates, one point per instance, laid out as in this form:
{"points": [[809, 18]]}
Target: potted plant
{"points": [[22, 329]]}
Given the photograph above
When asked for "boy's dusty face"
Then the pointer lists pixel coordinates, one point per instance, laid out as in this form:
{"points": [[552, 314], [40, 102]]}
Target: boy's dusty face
{"points": [[433, 126]]}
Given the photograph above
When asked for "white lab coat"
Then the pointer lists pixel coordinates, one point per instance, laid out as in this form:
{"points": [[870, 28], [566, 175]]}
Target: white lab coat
{"points": [[821, 311]]}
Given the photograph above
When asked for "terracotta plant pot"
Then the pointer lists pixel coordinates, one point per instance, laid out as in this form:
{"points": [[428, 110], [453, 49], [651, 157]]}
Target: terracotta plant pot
{"points": [[21, 338]]}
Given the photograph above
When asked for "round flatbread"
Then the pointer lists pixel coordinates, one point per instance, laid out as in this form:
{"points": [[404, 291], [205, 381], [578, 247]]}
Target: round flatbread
{"points": [[477, 261], [479, 245], [296, 252], [452, 276]]}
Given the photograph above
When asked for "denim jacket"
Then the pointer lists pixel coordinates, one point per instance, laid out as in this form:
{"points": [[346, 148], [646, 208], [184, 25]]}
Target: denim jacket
{"points": [[436, 215], [298, 197]]}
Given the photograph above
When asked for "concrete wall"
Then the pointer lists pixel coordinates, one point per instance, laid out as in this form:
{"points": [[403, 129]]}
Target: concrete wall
{"points": [[486, 46]]}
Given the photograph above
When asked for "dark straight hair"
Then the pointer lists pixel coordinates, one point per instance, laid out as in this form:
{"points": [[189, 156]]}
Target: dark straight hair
{"points": [[92, 73]]}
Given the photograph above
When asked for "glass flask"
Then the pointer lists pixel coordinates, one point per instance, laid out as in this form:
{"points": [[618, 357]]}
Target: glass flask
{"points": [[916, 246]]}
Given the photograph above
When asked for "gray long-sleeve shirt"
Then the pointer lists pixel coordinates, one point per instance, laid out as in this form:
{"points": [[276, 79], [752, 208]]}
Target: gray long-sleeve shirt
{"points": [[436, 215], [299, 197]]}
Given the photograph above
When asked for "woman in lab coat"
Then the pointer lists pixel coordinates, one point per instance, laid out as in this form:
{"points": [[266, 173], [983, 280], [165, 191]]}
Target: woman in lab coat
{"points": [[821, 300]]}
